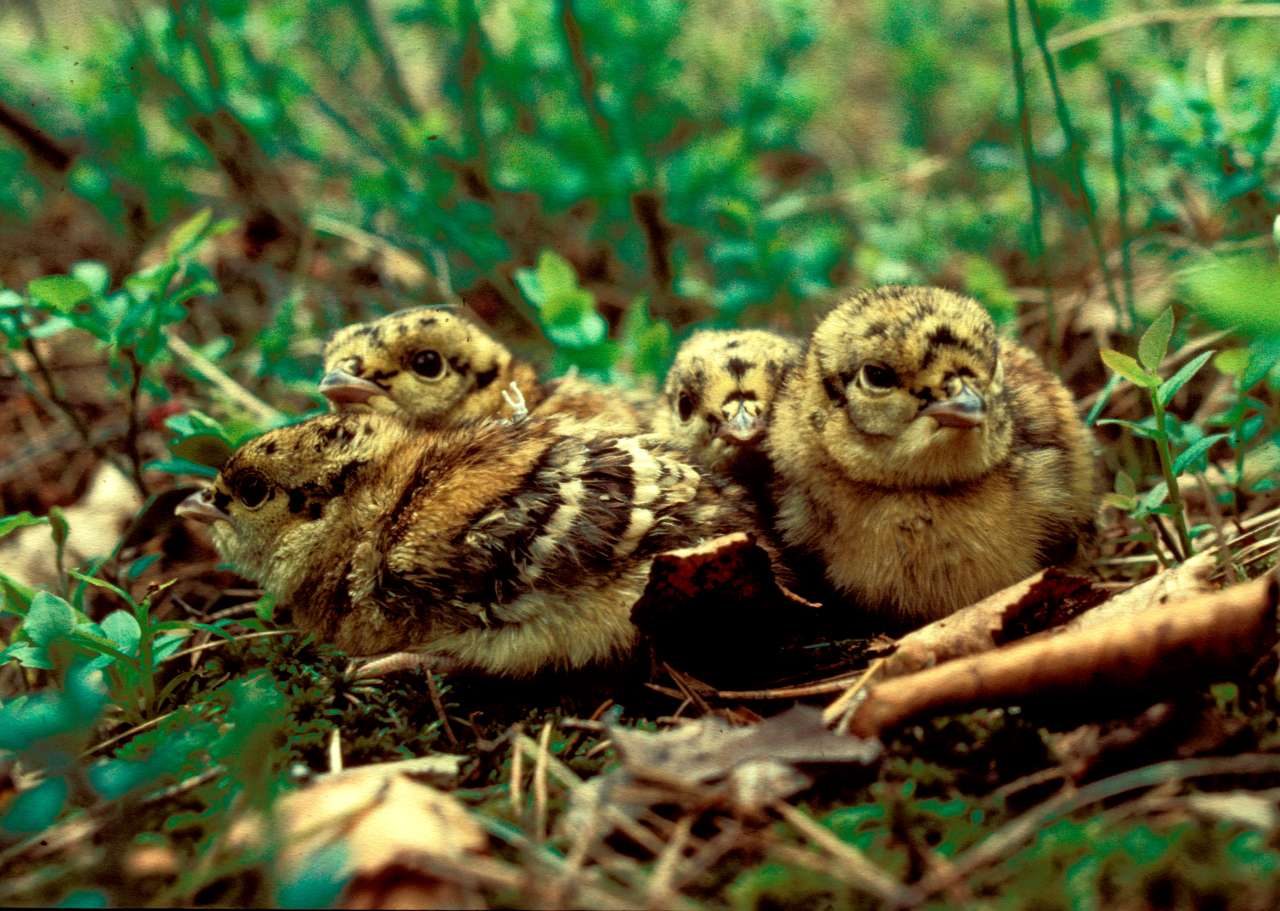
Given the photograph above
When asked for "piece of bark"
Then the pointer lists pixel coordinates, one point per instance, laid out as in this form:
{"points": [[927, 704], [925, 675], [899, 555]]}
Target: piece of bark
{"points": [[1036, 603], [1203, 636]]}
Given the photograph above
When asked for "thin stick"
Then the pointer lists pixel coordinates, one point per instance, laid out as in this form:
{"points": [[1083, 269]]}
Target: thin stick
{"points": [[437, 700], [660, 891], [1029, 164], [1074, 153], [540, 784], [1072, 38], [216, 642], [1115, 82], [229, 387], [517, 771], [840, 706]]}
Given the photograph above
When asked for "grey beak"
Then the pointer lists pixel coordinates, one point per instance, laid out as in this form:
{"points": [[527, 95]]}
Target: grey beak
{"points": [[343, 388], [743, 427], [199, 506], [965, 410]]}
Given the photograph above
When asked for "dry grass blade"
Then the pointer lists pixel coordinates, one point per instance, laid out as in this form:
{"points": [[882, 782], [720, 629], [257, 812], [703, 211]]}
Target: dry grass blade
{"points": [[838, 710], [540, 783], [854, 867]]}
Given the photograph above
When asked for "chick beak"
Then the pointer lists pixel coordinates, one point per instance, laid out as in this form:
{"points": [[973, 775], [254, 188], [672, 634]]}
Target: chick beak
{"points": [[343, 388], [199, 506], [742, 428], [965, 410]]}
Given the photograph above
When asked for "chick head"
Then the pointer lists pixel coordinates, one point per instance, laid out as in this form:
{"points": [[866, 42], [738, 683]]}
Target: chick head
{"points": [[275, 499], [426, 364], [717, 395], [904, 387]]}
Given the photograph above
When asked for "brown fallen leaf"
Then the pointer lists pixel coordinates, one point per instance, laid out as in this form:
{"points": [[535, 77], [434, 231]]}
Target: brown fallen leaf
{"points": [[745, 761], [1178, 583], [1036, 603], [392, 833], [1203, 636], [709, 764]]}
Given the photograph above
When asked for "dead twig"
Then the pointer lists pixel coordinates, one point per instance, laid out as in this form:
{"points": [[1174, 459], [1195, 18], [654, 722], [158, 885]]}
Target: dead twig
{"points": [[1203, 636]]}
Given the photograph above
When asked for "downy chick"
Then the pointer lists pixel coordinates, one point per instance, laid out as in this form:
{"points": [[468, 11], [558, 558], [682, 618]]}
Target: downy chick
{"points": [[437, 369], [922, 462], [502, 547], [716, 399]]}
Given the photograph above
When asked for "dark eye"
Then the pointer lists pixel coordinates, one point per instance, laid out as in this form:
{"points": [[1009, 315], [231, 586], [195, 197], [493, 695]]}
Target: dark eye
{"points": [[878, 376], [428, 364], [251, 489], [685, 405]]}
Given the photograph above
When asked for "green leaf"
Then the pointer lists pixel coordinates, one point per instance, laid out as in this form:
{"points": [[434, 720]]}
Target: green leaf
{"points": [[1124, 484], [1233, 361], [203, 449], [189, 233], [49, 619], [94, 274], [36, 808], [1113, 383], [122, 628], [1196, 451], [1169, 388], [1119, 501], [17, 596], [1147, 433], [1154, 497], [61, 292], [58, 529], [1128, 368], [1154, 343], [12, 523]]}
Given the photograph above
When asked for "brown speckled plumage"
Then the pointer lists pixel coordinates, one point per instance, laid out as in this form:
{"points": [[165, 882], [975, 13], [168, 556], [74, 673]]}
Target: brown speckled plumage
{"points": [[923, 462], [501, 547]]}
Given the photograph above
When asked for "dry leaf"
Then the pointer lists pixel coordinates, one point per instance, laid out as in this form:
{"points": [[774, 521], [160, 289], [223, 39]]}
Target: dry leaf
{"points": [[1131, 653], [1186, 580], [393, 832], [708, 751], [717, 608], [1036, 603]]}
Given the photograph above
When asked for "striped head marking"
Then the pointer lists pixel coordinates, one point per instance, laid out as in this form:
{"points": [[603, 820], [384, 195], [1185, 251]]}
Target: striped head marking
{"points": [[914, 379], [428, 365], [720, 388]]}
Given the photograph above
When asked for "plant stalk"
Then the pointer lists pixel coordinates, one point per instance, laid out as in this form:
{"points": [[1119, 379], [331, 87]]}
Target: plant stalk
{"points": [[1166, 467]]}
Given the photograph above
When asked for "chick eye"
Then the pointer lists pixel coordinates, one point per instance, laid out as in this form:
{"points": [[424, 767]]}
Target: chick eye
{"points": [[685, 406], [251, 490], [878, 376], [427, 364]]}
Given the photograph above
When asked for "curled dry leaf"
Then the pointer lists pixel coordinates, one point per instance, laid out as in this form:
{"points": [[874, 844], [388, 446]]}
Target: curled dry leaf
{"points": [[1178, 583], [1135, 653], [1038, 602], [393, 833]]}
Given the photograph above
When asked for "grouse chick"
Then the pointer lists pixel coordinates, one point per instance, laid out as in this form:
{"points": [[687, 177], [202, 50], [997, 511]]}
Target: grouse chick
{"points": [[716, 399], [921, 461], [502, 547], [437, 369]]}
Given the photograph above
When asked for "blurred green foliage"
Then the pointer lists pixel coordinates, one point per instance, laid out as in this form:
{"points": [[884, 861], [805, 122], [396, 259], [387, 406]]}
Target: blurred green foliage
{"points": [[602, 176]]}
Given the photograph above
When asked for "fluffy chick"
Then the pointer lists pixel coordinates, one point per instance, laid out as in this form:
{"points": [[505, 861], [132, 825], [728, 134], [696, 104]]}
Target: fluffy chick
{"points": [[921, 461], [437, 369], [716, 399], [502, 547]]}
